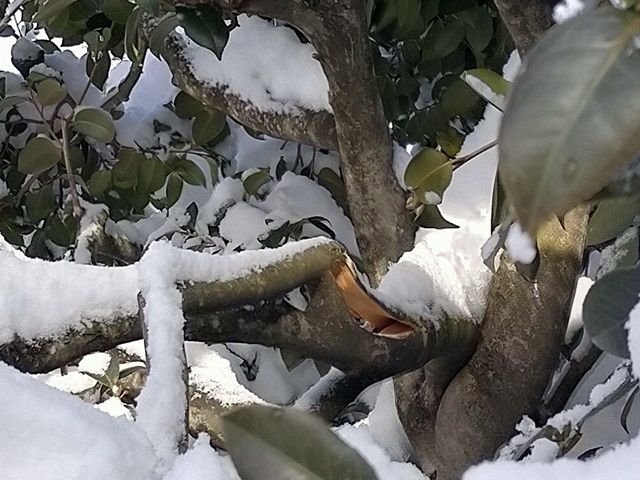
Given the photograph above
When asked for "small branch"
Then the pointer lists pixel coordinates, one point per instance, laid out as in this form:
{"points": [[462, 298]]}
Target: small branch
{"points": [[458, 162], [75, 201], [125, 87]]}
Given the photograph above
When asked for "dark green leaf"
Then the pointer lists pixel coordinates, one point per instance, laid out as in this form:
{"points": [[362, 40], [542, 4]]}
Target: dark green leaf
{"points": [[205, 26], [611, 218], [606, 310], [489, 85], [117, 10], [254, 181], [624, 415], [40, 204], [50, 92], [190, 172], [153, 173], [95, 123], [430, 171], [269, 443], [207, 125], [50, 9], [174, 190], [99, 182], [186, 106], [430, 217], [39, 154], [442, 39], [330, 180], [160, 33], [151, 6], [572, 119]]}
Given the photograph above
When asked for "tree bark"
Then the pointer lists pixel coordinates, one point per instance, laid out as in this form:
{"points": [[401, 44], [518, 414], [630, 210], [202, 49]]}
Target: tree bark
{"points": [[521, 336], [526, 20], [339, 32]]}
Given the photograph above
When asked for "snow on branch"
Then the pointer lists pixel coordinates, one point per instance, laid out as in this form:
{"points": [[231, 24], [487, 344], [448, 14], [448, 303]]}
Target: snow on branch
{"points": [[279, 90]]}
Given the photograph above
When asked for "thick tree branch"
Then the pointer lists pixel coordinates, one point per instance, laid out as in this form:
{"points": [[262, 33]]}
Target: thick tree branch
{"points": [[523, 330], [310, 127], [339, 32], [526, 20]]}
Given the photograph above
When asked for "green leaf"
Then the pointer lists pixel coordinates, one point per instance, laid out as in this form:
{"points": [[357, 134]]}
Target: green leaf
{"points": [[442, 39], [40, 204], [430, 217], [254, 181], [50, 92], [207, 125], [606, 310], [125, 173], [50, 9], [117, 10], [572, 119], [489, 85], [39, 154], [95, 123], [112, 372], [478, 27], [622, 254], [190, 172], [153, 174], [11, 101], [150, 6], [187, 107], [269, 443], [174, 190], [205, 26], [330, 180], [624, 415], [99, 182], [429, 171], [160, 33], [611, 218], [131, 36]]}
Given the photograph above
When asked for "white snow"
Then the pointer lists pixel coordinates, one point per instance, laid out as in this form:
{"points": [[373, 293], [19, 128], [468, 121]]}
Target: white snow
{"points": [[49, 435], [444, 272], [42, 298], [520, 246], [265, 64], [633, 326], [567, 9]]}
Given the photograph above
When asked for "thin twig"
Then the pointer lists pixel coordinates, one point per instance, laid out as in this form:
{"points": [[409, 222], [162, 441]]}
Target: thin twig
{"points": [[75, 201], [458, 162]]}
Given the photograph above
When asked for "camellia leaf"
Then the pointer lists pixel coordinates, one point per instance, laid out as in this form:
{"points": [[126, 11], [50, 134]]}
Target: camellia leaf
{"points": [[186, 106], [254, 181], [207, 125], [611, 218], [205, 26], [50, 92], [190, 172], [40, 204], [95, 123], [430, 171], [99, 182], [489, 85], [153, 173], [269, 443], [572, 119], [429, 216], [330, 180], [151, 6], [50, 9], [606, 309], [39, 154]]}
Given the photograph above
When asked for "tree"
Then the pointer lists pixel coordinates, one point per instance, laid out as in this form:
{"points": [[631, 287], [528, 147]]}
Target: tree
{"points": [[458, 376]]}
